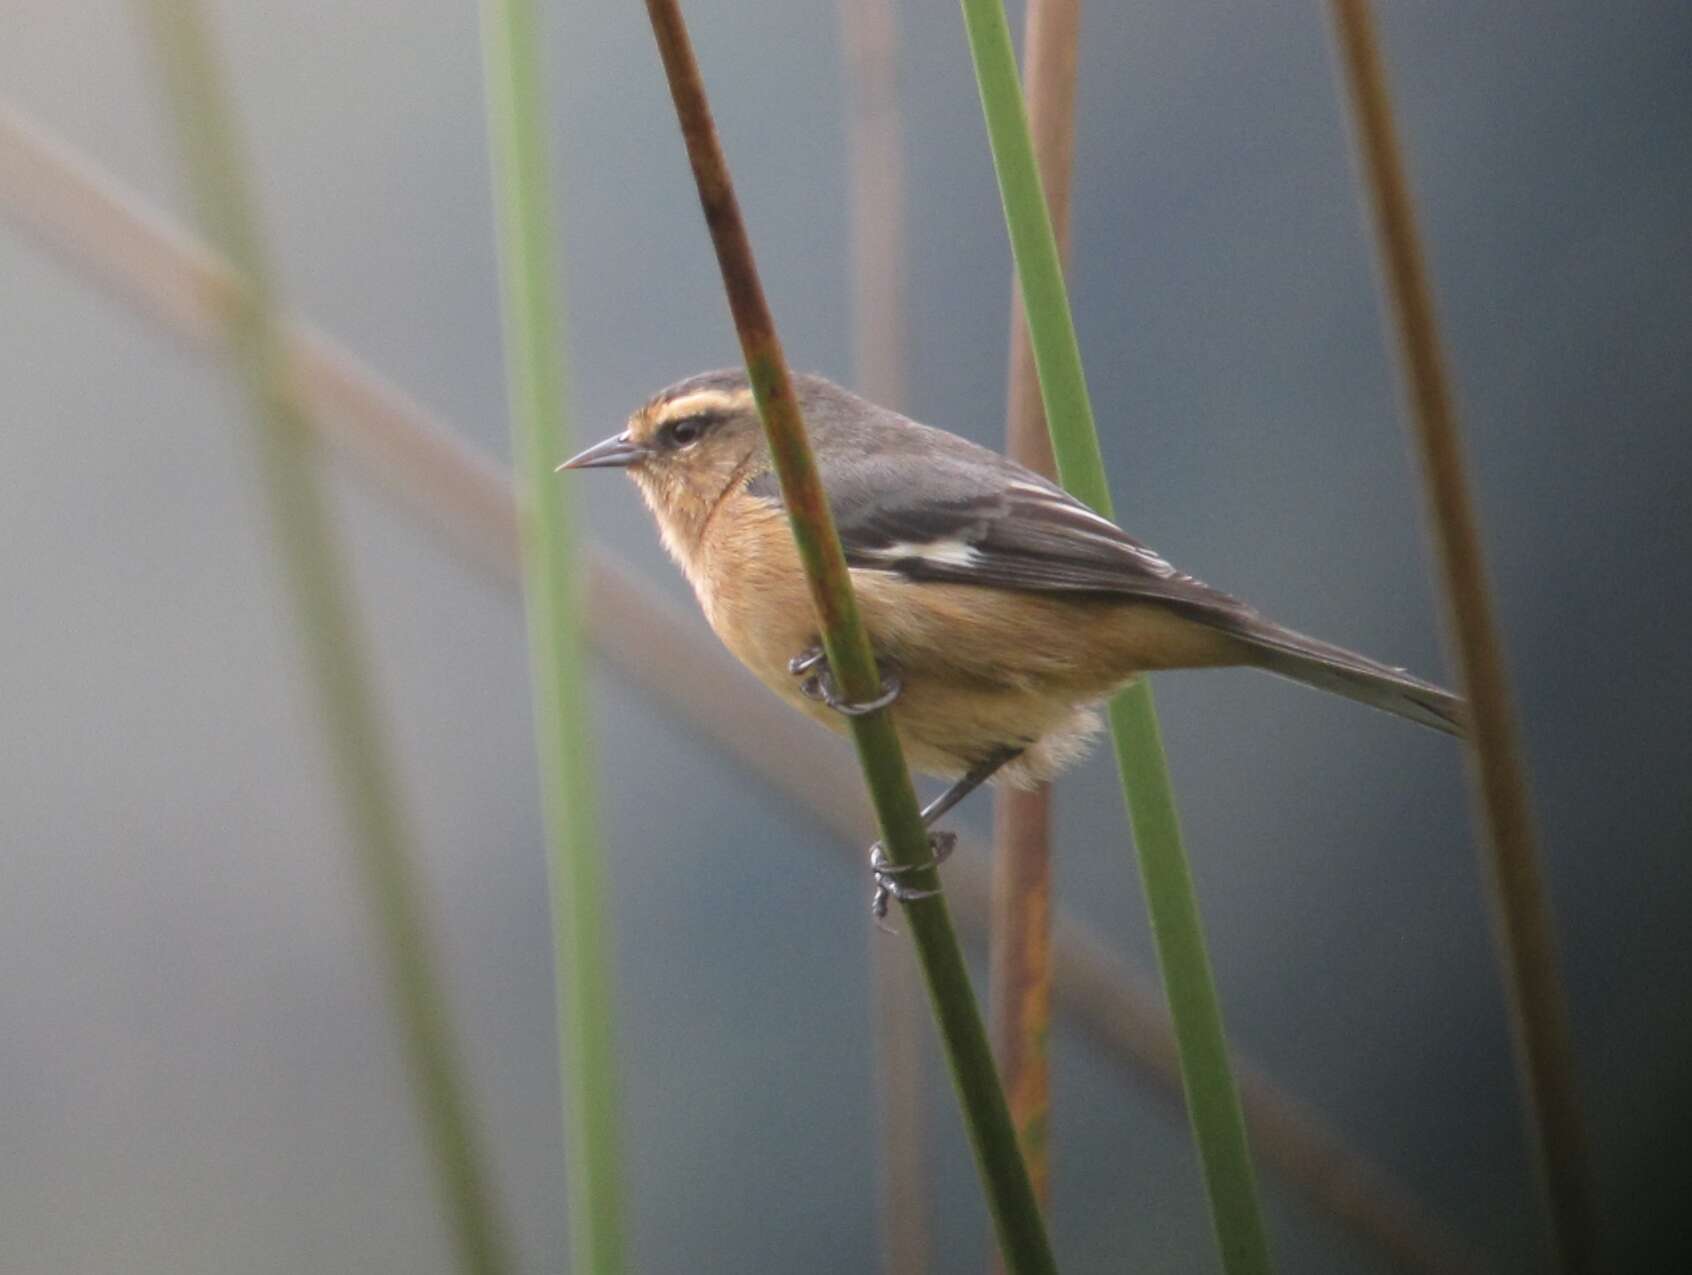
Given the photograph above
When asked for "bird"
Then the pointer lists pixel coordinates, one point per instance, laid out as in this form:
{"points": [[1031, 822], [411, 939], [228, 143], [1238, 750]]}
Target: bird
{"points": [[1001, 610]]}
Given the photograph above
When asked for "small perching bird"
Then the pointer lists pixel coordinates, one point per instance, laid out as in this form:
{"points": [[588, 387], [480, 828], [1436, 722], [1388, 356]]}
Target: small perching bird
{"points": [[1001, 610]]}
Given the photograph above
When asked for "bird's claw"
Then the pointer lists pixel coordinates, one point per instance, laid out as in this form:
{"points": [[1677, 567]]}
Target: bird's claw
{"points": [[820, 685], [806, 660], [888, 875]]}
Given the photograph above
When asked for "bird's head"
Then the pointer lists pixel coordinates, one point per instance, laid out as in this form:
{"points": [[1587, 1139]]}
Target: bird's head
{"points": [[690, 427], [688, 444], [684, 447]]}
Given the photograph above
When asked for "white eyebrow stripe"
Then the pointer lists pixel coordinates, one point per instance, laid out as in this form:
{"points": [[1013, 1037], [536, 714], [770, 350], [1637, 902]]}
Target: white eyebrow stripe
{"points": [[703, 401]]}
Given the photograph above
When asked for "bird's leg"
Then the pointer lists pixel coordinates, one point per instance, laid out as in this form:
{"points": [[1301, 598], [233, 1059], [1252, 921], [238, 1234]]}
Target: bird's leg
{"points": [[887, 874], [812, 665]]}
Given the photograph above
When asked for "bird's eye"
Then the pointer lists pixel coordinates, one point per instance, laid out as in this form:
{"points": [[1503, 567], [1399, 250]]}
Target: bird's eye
{"points": [[685, 432]]}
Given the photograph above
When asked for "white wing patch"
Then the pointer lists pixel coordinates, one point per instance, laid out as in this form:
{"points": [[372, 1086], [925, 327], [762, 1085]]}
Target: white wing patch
{"points": [[951, 553]]}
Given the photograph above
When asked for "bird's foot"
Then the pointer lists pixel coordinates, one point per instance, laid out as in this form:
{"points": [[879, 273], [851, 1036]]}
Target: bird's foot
{"points": [[819, 684], [889, 876]]}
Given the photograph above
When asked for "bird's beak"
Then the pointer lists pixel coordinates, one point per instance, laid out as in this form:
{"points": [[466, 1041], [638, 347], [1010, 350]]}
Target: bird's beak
{"points": [[616, 452]]}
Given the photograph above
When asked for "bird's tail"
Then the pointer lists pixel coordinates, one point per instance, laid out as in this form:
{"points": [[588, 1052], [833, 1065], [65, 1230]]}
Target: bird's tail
{"points": [[1332, 668]]}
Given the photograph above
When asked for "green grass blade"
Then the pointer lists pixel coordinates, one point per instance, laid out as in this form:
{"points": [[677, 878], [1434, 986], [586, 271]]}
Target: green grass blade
{"points": [[1212, 1099], [335, 647], [551, 592]]}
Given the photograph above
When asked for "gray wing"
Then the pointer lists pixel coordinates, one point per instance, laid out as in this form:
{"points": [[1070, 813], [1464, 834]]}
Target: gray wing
{"points": [[931, 506]]}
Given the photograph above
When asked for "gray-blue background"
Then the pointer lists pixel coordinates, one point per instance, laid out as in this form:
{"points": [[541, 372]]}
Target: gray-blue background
{"points": [[196, 1067]]}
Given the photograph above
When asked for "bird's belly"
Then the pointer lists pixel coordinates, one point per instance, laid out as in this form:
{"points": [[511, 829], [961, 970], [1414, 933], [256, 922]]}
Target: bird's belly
{"points": [[980, 669], [946, 724], [956, 705]]}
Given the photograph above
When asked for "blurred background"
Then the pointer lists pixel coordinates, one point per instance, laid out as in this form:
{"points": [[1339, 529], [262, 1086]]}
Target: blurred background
{"points": [[197, 1067]]}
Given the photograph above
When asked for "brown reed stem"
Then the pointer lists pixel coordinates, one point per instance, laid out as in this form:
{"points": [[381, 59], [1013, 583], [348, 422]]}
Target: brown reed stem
{"points": [[1010, 1197], [1020, 942], [1522, 922]]}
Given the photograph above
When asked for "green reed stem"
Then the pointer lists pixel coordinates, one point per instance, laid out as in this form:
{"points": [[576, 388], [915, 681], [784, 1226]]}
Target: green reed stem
{"points": [[552, 601], [1010, 1197], [1213, 1102], [335, 645]]}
